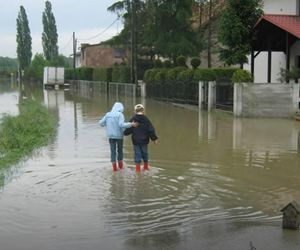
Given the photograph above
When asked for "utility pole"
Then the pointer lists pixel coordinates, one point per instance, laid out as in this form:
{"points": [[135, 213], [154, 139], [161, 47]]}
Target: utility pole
{"points": [[74, 50], [209, 35], [133, 44]]}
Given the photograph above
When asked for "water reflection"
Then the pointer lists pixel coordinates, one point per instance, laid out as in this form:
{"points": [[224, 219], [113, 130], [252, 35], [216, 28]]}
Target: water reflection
{"points": [[214, 181]]}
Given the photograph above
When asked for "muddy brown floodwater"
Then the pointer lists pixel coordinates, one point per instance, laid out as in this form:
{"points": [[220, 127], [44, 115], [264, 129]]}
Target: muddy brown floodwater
{"points": [[215, 182]]}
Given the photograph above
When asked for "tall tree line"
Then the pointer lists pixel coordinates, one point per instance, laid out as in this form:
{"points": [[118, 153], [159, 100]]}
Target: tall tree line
{"points": [[24, 49], [49, 36]]}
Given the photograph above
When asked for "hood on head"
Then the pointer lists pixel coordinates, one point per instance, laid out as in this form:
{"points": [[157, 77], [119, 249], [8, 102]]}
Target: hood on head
{"points": [[118, 107]]}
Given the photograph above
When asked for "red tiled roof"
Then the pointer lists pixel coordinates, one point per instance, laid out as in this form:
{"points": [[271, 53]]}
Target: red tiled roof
{"points": [[288, 23]]}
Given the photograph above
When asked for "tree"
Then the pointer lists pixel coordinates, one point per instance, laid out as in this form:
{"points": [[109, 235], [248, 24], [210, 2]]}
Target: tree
{"points": [[236, 26], [163, 27], [49, 36], [169, 30], [24, 50]]}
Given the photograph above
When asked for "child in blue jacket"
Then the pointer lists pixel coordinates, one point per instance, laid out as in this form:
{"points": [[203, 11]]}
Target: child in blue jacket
{"points": [[115, 124], [141, 136]]}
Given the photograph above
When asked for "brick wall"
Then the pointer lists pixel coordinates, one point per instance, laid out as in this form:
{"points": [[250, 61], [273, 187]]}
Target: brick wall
{"points": [[100, 56]]}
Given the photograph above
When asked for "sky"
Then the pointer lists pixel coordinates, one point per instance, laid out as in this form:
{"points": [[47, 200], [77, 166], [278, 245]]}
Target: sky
{"points": [[89, 19]]}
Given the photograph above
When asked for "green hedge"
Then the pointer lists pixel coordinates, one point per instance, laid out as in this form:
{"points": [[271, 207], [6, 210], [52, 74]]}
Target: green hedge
{"points": [[163, 75], [121, 74], [102, 74]]}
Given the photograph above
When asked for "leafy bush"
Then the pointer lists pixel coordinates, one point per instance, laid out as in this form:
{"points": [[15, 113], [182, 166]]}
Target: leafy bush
{"points": [[102, 74], [241, 75], [160, 76], [167, 64], [172, 74], [181, 61], [121, 74], [70, 73], [224, 73], [157, 63], [186, 75], [204, 75], [195, 62]]}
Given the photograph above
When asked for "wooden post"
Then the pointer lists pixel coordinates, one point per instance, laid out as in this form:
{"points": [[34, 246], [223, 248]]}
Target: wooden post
{"points": [[252, 62], [288, 54], [269, 65]]}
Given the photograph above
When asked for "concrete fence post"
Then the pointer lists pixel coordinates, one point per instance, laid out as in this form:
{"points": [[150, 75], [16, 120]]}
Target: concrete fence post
{"points": [[143, 88], [296, 98], [200, 97], [211, 96], [238, 99]]}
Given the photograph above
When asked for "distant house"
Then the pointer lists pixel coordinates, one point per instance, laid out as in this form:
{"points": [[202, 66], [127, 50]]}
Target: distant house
{"points": [[278, 40], [78, 60], [101, 56]]}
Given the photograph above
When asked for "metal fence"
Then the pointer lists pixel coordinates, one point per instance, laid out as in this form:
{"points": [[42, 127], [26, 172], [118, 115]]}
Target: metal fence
{"points": [[178, 92]]}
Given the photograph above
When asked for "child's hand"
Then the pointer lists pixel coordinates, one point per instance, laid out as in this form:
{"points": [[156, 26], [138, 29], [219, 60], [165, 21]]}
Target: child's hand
{"points": [[155, 141], [134, 124]]}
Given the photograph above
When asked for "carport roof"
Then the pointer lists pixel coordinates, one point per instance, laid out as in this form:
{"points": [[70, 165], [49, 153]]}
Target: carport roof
{"points": [[271, 31]]}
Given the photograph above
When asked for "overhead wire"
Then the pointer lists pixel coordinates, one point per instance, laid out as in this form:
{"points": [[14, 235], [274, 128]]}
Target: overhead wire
{"points": [[100, 33]]}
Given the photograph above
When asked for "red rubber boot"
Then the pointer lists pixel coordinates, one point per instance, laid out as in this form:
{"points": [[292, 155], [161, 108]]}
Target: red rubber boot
{"points": [[146, 166], [137, 167], [121, 164], [114, 165]]}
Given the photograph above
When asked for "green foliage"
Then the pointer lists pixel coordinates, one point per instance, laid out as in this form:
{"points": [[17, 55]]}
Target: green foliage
{"points": [[24, 49], [224, 73], [121, 74], [84, 73], [102, 74], [20, 135], [157, 63], [235, 31], [70, 74], [163, 27], [173, 73], [186, 75], [8, 65], [241, 75], [149, 75], [160, 76], [181, 61], [167, 64], [195, 62], [36, 68], [204, 75], [294, 74], [49, 35]]}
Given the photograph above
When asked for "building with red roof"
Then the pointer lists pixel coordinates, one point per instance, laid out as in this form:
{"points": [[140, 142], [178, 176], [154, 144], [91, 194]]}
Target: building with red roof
{"points": [[277, 40]]}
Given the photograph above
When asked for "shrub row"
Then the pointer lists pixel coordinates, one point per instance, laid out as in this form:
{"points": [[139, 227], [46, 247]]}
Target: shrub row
{"points": [[118, 73], [163, 75]]}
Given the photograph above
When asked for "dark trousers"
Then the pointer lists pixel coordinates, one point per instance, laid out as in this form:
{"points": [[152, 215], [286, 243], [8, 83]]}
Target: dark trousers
{"points": [[140, 152], [116, 149]]}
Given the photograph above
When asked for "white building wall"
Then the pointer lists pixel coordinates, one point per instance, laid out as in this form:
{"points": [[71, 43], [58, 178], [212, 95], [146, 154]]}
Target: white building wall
{"points": [[284, 7], [261, 67]]}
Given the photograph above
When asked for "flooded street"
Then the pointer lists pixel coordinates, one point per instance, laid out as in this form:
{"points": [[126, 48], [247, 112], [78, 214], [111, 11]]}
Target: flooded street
{"points": [[215, 182]]}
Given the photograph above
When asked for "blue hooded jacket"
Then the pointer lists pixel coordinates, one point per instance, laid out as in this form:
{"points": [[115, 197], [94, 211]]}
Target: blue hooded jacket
{"points": [[114, 122]]}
